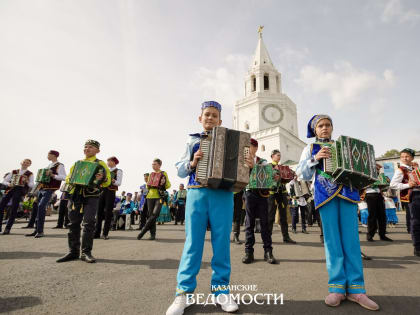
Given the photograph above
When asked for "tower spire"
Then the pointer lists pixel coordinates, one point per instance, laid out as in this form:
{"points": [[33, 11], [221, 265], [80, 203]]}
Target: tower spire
{"points": [[261, 56]]}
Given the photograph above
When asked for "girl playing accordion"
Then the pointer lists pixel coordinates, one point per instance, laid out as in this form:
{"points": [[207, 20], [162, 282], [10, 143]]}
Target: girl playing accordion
{"points": [[337, 206]]}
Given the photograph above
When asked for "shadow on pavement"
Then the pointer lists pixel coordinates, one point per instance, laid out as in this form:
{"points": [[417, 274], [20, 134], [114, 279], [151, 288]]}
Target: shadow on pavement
{"points": [[388, 304], [18, 302], [391, 262], [27, 255], [153, 264]]}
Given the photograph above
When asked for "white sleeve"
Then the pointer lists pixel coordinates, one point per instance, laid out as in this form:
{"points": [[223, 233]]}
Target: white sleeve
{"points": [[306, 168], [31, 181], [7, 179], [118, 180], [396, 182], [61, 173]]}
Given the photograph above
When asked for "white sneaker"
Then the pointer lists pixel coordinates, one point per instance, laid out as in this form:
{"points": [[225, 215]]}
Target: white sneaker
{"points": [[178, 306], [227, 303]]}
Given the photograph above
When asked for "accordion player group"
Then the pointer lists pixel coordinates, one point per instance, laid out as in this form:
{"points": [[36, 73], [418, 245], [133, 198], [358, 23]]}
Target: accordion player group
{"points": [[352, 162]]}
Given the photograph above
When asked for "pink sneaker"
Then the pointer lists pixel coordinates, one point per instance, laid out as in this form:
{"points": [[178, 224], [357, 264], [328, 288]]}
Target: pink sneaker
{"points": [[363, 300], [334, 299]]}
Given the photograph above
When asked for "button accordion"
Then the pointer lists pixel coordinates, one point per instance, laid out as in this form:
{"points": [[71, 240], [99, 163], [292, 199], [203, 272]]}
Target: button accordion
{"points": [[84, 173], [352, 162], [286, 173], [262, 177], [43, 176], [157, 180], [302, 188], [18, 180], [223, 163], [383, 182], [414, 175]]}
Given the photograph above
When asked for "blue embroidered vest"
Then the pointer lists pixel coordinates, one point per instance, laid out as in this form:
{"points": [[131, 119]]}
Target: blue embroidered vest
{"points": [[325, 189]]}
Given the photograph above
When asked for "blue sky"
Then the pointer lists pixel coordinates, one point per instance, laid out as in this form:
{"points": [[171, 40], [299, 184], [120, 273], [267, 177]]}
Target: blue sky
{"points": [[132, 74]]}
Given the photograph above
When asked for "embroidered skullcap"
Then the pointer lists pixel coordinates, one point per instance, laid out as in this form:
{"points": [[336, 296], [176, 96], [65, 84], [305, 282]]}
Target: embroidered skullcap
{"points": [[93, 143], [211, 104], [114, 159], [314, 122], [254, 142], [409, 151], [275, 151], [54, 152]]}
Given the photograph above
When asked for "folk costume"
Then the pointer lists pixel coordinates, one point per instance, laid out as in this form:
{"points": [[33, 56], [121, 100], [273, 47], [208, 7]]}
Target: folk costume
{"points": [[144, 213], [337, 205], [203, 206], [45, 193], [106, 201], [82, 207], [256, 206], [278, 200], [180, 201], [412, 195], [154, 201], [14, 193]]}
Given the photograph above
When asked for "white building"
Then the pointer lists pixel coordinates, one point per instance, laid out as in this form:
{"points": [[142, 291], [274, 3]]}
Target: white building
{"points": [[266, 112]]}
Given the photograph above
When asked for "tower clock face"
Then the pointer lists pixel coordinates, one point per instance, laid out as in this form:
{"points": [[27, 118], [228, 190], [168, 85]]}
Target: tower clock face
{"points": [[272, 114]]}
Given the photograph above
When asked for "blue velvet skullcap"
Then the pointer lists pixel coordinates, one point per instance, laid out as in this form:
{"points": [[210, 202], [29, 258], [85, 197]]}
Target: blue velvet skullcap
{"points": [[314, 122], [211, 104]]}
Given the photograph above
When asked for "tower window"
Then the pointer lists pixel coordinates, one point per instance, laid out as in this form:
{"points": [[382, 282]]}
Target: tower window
{"points": [[266, 82], [253, 83], [278, 84], [263, 148]]}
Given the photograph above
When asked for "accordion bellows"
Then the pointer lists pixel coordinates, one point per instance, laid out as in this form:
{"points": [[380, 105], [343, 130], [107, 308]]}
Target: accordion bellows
{"points": [[223, 163], [352, 162]]}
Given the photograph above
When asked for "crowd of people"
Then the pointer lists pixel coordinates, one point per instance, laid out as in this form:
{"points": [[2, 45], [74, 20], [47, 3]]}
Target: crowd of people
{"points": [[334, 208]]}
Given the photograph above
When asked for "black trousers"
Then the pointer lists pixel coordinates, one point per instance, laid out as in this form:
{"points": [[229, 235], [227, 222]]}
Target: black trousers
{"points": [[154, 206], [15, 194], [63, 218], [180, 214], [377, 215], [406, 207], [87, 216], [105, 207], [237, 212], [272, 208], [144, 215], [415, 218], [295, 216], [256, 206]]}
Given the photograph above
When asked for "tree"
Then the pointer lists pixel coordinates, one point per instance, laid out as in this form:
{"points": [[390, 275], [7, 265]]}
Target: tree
{"points": [[391, 153]]}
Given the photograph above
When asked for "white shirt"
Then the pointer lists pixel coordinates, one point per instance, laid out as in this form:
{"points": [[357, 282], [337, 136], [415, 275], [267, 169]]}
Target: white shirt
{"points": [[61, 172], [373, 190], [396, 182], [118, 179], [8, 178], [302, 201]]}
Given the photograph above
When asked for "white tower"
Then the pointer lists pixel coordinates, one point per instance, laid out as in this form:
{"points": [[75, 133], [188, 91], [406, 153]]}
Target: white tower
{"points": [[267, 113]]}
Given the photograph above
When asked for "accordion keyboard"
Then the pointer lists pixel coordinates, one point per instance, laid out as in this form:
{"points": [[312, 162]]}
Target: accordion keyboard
{"points": [[328, 165], [202, 165]]}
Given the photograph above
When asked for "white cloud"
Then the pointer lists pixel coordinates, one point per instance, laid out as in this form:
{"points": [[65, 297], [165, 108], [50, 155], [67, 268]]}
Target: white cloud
{"points": [[224, 84], [394, 10], [346, 85]]}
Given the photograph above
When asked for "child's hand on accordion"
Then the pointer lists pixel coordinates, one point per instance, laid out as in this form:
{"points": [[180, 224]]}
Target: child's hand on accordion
{"points": [[412, 183], [197, 156], [324, 153], [249, 160]]}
